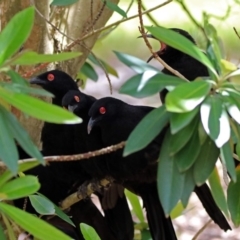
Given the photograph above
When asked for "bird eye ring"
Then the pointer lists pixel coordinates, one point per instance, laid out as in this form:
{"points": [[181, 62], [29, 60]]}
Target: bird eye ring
{"points": [[50, 77], [77, 99], [102, 110]]}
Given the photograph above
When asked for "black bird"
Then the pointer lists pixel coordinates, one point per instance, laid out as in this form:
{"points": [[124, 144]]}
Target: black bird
{"points": [[60, 139], [188, 66], [113, 200], [191, 69], [137, 172]]}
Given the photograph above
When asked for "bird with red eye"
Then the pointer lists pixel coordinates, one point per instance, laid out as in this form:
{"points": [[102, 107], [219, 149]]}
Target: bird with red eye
{"points": [[77, 99], [50, 77], [102, 110]]}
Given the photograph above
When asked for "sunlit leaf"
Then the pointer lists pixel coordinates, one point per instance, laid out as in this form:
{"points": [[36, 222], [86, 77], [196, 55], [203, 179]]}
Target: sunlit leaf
{"points": [[19, 187], [176, 40], [187, 96], [31, 58], [177, 211], [16, 33], [149, 127], [170, 181], [217, 191], [88, 232], [35, 226], [38, 108]]}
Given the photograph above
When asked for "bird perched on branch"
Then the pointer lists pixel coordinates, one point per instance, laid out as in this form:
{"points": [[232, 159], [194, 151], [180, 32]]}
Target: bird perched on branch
{"points": [[60, 139]]}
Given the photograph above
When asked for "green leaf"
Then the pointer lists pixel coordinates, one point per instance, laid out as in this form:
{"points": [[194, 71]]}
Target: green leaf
{"points": [[31, 58], [35, 226], [187, 96], [210, 111], [19, 187], [233, 108], [20, 134], [188, 187], [88, 232], [135, 63], [186, 156], [180, 120], [114, 7], [7, 175], [217, 191], [177, 210], [2, 235], [63, 2], [233, 199], [42, 205], [180, 139], [170, 181], [149, 127], [16, 78], [101, 64], [175, 40], [38, 108], [205, 162], [136, 206], [16, 32], [226, 157], [144, 84], [89, 71], [8, 151]]}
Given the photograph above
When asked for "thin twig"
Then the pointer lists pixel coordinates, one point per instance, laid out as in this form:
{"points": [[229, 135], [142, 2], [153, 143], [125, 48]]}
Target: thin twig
{"points": [[150, 16], [76, 157], [235, 30], [202, 229], [68, 47], [142, 31]]}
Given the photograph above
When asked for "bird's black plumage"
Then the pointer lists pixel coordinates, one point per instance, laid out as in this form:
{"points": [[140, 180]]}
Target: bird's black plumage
{"points": [[191, 69], [137, 172], [113, 200]]}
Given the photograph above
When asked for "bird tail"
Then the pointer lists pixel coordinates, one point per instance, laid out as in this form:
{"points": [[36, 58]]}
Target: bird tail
{"points": [[161, 228], [204, 194]]}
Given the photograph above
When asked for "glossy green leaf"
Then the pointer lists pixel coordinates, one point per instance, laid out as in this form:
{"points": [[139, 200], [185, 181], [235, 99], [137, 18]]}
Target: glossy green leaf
{"points": [[35, 226], [181, 138], [148, 83], [89, 71], [135, 63], [177, 210], [149, 127], [38, 108], [179, 121], [42, 205], [22, 137], [16, 32], [19, 187], [214, 121], [187, 96], [188, 187], [31, 58], [226, 157], [188, 154], [114, 7], [177, 41], [8, 151], [63, 3], [217, 191], [170, 181], [201, 133], [7, 175], [136, 206], [205, 162], [101, 64], [88, 232], [233, 199], [233, 108]]}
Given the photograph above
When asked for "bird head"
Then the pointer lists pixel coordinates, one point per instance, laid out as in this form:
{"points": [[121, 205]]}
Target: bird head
{"points": [[57, 82], [166, 52], [103, 111]]}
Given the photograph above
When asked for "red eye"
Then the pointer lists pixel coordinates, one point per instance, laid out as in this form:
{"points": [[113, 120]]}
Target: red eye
{"points": [[50, 77], [102, 110], [77, 99]]}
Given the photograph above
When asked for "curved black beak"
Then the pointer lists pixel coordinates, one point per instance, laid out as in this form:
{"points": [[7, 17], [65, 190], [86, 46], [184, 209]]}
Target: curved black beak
{"points": [[71, 108], [148, 36], [90, 125], [37, 81]]}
